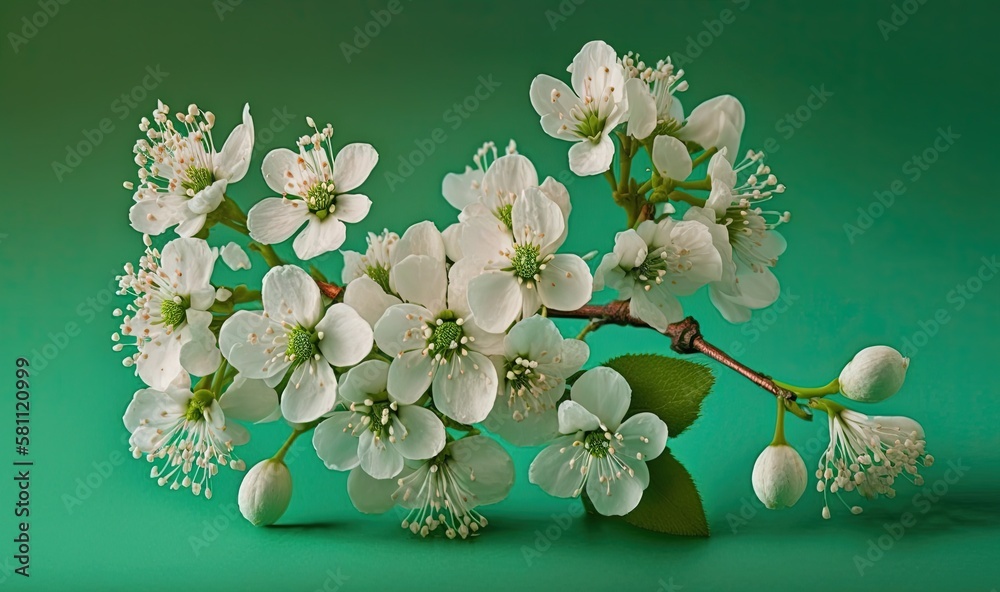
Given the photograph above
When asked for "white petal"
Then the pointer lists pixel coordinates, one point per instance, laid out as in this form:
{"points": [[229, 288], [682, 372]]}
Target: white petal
{"points": [[537, 220], [509, 174], [553, 100], [189, 223], [160, 361], [642, 108], [370, 496], [618, 495], [483, 468], [422, 238], [335, 443], [352, 207], [605, 393], [595, 68], [462, 189], [465, 389], [199, 354], [352, 166], [153, 406], [311, 392], [245, 342], [425, 433], [378, 458], [410, 376], [291, 295], [423, 280], [452, 236], [401, 329], [574, 417], [274, 219], [189, 263], [347, 338], [671, 158], [364, 380], [248, 400], [656, 306], [320, 236], [366, 297], [552, 472], [591, 158], [233, 160], [644, 433], [209, 198], [282, 171], [566, 283], [495, 299], [235, 257]]}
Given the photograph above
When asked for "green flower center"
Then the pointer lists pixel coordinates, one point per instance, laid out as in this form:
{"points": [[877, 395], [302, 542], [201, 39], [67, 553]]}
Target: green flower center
{"points": [[504, 214], [172, 313], [446, 337], [375, 414], [518, 376], [591, 126], [301, 344], [197, 404], [198, 178], [525, 262], [380, 275], [320, 199], [596, 444]]}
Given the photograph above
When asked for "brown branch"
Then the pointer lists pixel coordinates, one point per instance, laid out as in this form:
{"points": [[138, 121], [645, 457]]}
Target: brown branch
{"points": [[685, 336]]}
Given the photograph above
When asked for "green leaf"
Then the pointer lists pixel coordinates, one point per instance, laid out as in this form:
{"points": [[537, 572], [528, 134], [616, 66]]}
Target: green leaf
{"points": [[673, 389], [671, 504]]}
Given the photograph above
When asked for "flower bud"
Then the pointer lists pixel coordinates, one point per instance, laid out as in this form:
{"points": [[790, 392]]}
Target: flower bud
{"points": [[779, 476], [875, 374], [265, 492]]}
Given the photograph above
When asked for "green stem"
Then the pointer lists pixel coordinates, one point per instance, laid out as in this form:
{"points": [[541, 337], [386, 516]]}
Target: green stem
{"points": [[779, 426], [704, 185], [686, 197], [267, 252], [591, 327], [703, 157], [219, 378], [811, 392], [280, 455], [645, 187], [610, 176]]}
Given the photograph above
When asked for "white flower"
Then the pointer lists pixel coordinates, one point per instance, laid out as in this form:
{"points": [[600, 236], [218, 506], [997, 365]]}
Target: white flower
{"points": [[434, 340], [319, 186], [522, 270], [235, 257], [653, 264], [779, 476], [169, 318], [371, 278], [293, 332], [650, 92], [743, 233], [182, 176], [265, 492], [376, 431], [532, 378], [868, 454], [599, 452], [587, 113], [187, 436], [445, 491], [462, 189], [716, 123], [875, 374]]}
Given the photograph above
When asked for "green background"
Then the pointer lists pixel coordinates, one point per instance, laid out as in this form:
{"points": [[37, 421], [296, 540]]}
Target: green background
{"points": [[892, 89]]}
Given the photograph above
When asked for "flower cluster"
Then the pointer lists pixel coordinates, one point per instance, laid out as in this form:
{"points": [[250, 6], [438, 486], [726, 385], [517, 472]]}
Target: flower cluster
{"points": [[439, 344]]}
